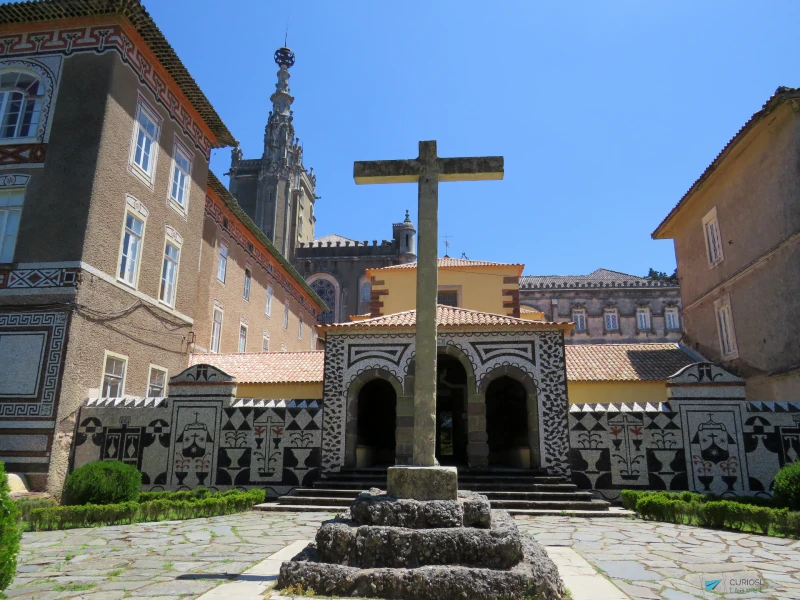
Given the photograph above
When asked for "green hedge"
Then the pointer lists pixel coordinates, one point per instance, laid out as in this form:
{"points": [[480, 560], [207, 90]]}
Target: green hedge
{"points": [[160, 509], [709, 511], [787, 486], [102, 482], [9, 532]]}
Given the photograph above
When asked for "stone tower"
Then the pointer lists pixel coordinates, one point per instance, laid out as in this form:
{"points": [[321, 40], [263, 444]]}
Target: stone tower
{"points": [[276, 190], [405, 235]]}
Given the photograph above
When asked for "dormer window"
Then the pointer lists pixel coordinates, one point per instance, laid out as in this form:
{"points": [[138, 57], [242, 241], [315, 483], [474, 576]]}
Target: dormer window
{"points": [[611, 319], [579, 318], [20, 104]]}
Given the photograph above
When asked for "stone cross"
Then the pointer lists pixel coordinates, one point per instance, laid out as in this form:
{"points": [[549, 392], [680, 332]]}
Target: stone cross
{"points": [[427, 170]]}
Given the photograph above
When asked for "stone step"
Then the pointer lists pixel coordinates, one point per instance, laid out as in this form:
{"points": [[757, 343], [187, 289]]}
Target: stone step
{"points": [[328, 492], [556, 505], [513, 486], [534, 512], [340, 502], [568, 495], [276, 507]]}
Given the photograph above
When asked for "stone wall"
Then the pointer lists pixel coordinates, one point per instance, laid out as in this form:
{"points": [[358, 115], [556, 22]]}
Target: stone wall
{"points": [[202, 436], [706, 438]]}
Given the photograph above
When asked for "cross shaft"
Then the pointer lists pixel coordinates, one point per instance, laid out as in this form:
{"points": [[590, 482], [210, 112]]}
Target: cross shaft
{"points": [[427, 170]]}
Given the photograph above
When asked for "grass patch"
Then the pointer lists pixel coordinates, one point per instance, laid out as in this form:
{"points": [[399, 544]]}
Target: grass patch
{"points": [[116, 572], [298, 590], [73, 587]]}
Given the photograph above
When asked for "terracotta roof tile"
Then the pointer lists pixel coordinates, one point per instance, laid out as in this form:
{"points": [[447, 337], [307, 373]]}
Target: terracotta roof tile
{"points": [[268, 367], [624, 362], [455, 263], [446, 317]]}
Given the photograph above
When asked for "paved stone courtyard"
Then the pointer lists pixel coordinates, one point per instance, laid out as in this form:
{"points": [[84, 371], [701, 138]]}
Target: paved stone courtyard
{"points": [[186, 559]]}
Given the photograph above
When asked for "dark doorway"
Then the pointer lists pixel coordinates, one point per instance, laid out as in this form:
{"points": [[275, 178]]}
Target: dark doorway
{"points": [[507, 423], [451, 411], [377, 410]]}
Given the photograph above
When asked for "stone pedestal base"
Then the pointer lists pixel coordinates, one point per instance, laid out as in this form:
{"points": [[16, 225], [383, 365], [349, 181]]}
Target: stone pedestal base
{"points": [[426, 550], [422, 483]]}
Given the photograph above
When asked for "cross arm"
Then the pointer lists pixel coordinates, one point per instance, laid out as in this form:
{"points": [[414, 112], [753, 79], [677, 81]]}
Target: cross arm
{"points": [[386, 171], [478, 168]]}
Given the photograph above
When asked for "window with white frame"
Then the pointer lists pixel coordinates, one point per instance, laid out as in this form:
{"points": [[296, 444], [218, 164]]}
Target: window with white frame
{"points": [[144, 150], [672, 318], [268, 308], [131, 250], [612, 319], [114, 367], [265, 342], [300, 328], [181, 176], [21, 96], [157, 382], [248, 276], [242, 337], [727, 335], [10, 214], [286, 315], [222, 263], [579, 318], [643, 318], [713, 238], [216, 330], [169, 273]]}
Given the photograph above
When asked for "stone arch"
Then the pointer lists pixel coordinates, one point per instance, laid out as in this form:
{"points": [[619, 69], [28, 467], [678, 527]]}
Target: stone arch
{"points": [[351, 413], [327, 287], [532, 401]]}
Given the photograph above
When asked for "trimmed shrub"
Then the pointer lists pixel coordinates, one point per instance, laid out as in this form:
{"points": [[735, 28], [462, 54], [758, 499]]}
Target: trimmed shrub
{"points": [[787, 486], [92, 515], [183, 495], [9, 533], [102, 482]]}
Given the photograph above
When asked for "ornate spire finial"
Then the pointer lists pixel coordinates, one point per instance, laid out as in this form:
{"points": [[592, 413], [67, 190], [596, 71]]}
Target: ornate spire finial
{"points": [[408, 219], [284, 58]]}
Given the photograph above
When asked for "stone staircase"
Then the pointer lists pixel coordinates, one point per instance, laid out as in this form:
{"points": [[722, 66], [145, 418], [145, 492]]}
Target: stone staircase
{"points": [[519, 491]]}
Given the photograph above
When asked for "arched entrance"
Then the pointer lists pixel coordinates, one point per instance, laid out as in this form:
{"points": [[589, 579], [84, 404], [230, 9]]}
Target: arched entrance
{"points": [[451, 411], [375, 429], [507, 427]]}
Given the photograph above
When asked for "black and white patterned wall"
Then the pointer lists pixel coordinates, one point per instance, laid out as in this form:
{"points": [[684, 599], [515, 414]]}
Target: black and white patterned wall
{"points": [[706, 438], [540, 355], [182, 443]]}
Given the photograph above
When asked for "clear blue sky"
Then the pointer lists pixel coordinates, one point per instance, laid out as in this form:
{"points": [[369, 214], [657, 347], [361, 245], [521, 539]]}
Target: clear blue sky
{"points": [[606, 112]]}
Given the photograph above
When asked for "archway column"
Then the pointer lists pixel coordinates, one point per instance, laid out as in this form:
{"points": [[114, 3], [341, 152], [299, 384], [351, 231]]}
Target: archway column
{"points": [[477, 438]]}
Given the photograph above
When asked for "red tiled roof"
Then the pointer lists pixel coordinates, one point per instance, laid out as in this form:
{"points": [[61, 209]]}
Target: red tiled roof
{"points": [[455, 263], [268, 367], [450, 317], [781, 95], [624, 362]]}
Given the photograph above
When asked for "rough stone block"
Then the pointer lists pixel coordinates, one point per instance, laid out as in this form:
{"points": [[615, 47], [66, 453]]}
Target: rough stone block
{"points": [[377, 508], [422, 483], [536, 577], [344, 542], [477, 509]]}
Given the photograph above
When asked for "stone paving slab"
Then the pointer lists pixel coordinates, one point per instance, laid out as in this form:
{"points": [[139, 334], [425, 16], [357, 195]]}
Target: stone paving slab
{"points": [[182, 560]]}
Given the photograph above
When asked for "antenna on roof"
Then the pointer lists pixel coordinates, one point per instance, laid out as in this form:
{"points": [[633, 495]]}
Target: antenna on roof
{"points": [[286, 35], [464, 256], [446, 239]]}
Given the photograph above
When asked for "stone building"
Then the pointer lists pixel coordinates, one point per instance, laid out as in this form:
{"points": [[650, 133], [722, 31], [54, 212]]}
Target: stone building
{"points": [[100, 295], [276, 190], [607, 306], [736, 235], [337, 268]]}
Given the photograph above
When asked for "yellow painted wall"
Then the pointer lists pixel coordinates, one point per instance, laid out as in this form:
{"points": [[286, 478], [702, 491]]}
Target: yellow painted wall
{"points": [[481, 288], [616, 391], [287, 391]]}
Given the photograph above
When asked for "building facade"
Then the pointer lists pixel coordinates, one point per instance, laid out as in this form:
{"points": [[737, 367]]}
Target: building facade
{"points": [[736, 234], [276, 190], [607, 306], [337, 268], [250, 299], [105, 208]]}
